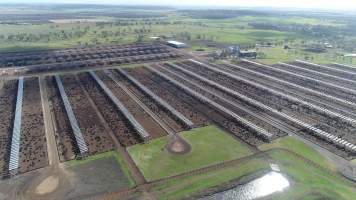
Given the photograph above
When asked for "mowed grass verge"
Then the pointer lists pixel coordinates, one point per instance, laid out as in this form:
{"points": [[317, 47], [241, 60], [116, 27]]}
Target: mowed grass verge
{"points": [[210, 145], [310, 182], [299, 147], [185, 187], [306, 180]]}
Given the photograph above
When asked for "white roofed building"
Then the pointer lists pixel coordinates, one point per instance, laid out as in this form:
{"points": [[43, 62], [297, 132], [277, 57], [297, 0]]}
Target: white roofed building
{"points": [[176, 44]]}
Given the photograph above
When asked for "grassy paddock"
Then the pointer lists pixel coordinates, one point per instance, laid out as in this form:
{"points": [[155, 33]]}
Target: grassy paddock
{"points": [[279, 54], [210, 145]]}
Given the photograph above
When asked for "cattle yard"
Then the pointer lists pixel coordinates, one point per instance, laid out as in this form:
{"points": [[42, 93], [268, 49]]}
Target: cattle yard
{"points": [[92, 108], [83, 58]]}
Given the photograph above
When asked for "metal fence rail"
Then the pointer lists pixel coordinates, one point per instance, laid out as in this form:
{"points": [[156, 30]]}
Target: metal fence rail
{"points": [[83, 148], [258, 130], [16, 132], [137, 126], [160, 101]]}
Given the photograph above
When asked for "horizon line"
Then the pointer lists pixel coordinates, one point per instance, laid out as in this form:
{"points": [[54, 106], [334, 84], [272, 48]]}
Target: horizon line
{"points": [[290, 8]]}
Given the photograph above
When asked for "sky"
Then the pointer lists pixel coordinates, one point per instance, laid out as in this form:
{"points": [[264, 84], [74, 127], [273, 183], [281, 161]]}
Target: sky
{"points": [[321, 4]]}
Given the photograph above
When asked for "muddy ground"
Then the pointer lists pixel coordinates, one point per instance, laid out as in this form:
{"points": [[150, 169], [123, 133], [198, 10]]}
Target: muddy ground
{"points": [[71, 182]]}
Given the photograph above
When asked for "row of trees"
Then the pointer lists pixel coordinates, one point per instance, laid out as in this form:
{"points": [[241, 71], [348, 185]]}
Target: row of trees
{"points": [[187, 36], [136, 23], [30, 37], [71, 34]]}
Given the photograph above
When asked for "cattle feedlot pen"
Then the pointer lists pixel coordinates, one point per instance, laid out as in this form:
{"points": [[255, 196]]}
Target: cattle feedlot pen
{"points": [[140, 130], [163, 103], [258, 130], [334, 139], [73, 121]]}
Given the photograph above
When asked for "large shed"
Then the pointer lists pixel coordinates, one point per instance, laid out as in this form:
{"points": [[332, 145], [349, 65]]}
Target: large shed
{"points": [[176, 44]]}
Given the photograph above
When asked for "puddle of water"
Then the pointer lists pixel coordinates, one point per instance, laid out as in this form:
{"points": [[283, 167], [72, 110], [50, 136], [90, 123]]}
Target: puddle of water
{"points": [[266, 185]]}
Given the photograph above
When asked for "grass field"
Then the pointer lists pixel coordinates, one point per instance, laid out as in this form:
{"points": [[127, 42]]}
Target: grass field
{"points": [[226, 35], [210, 145], [278, 54], [300, 148], [306, 181]]}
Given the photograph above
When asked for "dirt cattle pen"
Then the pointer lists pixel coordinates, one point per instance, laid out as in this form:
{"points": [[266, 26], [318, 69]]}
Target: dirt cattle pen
{"points": [[83, 58], [94, 110], [276, 99], [89, 111]]}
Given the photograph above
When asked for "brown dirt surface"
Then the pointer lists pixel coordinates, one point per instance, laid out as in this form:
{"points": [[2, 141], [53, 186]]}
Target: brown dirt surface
{"points": [[175, 99], [7, 106], [33, 148], [167, 117], [48, 185], [197, 111], [65, 139], [140, 115], [116, 121], [95, 136]]}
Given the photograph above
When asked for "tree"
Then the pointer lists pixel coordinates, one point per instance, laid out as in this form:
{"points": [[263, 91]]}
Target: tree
{"points": [[261, 55], [139, 38]]}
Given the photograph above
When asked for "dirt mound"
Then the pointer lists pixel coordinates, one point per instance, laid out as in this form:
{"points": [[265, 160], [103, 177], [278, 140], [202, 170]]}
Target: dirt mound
{"points": [[177, 145]]}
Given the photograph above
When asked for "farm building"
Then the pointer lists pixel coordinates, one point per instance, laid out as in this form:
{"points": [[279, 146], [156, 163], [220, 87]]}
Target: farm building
{"points": [[241, 53], [176, 44], [249, 54]]}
